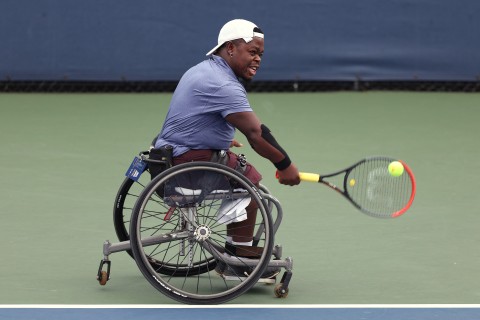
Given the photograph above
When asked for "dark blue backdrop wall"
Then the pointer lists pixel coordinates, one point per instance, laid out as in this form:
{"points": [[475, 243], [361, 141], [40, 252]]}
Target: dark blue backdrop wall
{"points": [[109, 40]]}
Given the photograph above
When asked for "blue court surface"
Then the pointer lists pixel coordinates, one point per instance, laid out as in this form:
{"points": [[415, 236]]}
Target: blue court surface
{"points": [[308, 312]]}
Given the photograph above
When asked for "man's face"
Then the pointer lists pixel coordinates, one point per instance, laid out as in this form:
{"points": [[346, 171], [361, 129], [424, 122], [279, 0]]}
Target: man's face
{"points": [[246, 58]]}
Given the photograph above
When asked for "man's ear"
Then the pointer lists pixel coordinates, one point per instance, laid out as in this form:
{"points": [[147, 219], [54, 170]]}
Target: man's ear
{"points": [[230, 46]]}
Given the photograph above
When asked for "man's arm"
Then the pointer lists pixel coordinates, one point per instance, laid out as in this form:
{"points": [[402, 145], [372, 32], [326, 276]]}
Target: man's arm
{"points": [[249, 124]]}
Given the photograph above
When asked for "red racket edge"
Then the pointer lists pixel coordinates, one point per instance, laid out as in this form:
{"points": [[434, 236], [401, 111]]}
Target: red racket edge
{"points": [[414, 190]]}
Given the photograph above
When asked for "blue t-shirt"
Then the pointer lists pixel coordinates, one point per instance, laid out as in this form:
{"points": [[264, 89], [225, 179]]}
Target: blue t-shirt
{"points": [[205, 95]]}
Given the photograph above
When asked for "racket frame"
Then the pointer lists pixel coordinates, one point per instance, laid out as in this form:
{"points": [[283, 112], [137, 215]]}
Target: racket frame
{"points": [[344, 191]]}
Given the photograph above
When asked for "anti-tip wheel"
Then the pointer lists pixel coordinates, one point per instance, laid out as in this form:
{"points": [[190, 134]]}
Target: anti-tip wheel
{"points": [[280, 292], [103, 278]]}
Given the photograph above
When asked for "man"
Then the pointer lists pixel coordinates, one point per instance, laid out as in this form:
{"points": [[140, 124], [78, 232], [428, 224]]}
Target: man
{"points": [[209, 103]]}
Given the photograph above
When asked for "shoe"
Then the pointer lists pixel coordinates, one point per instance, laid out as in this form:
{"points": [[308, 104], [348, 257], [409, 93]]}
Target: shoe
{"points": [[250, 252], [236, 271], [244, 271], [270, 273]]}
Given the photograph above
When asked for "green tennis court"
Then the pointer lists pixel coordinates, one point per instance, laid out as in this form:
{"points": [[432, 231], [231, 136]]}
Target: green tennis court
{"points": [[64, 155]]}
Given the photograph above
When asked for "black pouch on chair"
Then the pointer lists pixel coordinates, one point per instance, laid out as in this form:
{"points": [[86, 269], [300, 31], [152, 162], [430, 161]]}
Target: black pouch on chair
{"points": [[160, 160]]}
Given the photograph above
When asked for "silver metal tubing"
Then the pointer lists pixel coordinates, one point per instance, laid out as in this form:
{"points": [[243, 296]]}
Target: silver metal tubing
{"points": [[109, 248]]}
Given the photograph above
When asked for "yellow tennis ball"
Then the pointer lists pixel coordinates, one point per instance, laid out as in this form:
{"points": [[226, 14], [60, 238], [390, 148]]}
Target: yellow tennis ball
{"points": [[395, 168], [352, 182]]}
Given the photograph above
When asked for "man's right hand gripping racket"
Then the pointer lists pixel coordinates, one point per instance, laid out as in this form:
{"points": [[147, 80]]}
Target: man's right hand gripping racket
{"points": [[372, 187]]}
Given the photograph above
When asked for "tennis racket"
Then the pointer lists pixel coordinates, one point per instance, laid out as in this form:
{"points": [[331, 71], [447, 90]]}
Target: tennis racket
{"points": [[370, 187]]}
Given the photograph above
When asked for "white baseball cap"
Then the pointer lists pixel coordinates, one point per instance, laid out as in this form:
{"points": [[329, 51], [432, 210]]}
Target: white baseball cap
{"points": [[237, 29]]}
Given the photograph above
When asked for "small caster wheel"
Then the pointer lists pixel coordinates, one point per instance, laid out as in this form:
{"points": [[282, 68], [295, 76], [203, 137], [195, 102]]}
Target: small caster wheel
{"points": [[102, 278], [280, 291]]}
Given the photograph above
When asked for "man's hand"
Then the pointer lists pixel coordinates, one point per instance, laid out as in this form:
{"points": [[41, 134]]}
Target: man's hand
{"points": [[289, 176], [235, 143]]}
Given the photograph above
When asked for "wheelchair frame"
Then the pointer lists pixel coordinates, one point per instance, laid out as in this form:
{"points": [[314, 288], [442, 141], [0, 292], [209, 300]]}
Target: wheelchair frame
{"points": [[177, 243]]}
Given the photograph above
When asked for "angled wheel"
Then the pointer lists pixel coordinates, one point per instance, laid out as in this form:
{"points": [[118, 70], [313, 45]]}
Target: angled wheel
{"points": [[124, 201], [127, 195], [184, 231]]}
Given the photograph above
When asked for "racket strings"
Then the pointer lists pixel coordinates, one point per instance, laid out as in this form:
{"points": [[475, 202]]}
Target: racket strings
{"points": [[375, 190]]}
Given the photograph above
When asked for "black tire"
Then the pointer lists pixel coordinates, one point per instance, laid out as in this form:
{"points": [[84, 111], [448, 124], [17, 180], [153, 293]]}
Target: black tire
{"points": [[178, 241], [122, 210]]}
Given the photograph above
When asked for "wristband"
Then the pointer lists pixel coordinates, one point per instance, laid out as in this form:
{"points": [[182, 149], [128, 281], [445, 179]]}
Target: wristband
{"points": [[284, 164]]}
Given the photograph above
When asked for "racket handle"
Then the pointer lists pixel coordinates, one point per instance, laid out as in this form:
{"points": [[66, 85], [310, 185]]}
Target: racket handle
{"points": [[305, 176], [310, 177]]}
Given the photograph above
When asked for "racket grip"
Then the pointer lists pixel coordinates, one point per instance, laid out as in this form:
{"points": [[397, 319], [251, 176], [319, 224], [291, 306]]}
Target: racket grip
{"points": [[310, 177], [304, 176]]}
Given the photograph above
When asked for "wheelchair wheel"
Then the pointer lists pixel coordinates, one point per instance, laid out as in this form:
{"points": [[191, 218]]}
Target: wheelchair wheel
{"points": [[127, 195], [184, 230]]}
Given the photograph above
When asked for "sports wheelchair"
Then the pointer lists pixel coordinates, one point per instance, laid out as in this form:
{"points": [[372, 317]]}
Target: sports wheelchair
{"points": [[174, 227]]}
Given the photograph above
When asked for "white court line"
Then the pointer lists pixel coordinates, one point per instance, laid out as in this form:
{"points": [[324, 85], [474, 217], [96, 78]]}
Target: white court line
{"points": [[239, 306]]}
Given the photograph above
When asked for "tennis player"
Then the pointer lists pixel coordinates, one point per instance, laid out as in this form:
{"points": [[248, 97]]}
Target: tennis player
{"points": [[210, 102]]}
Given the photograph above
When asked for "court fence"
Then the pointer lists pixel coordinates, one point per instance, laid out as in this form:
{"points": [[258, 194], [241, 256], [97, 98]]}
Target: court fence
{"points": [[254, 86]]}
